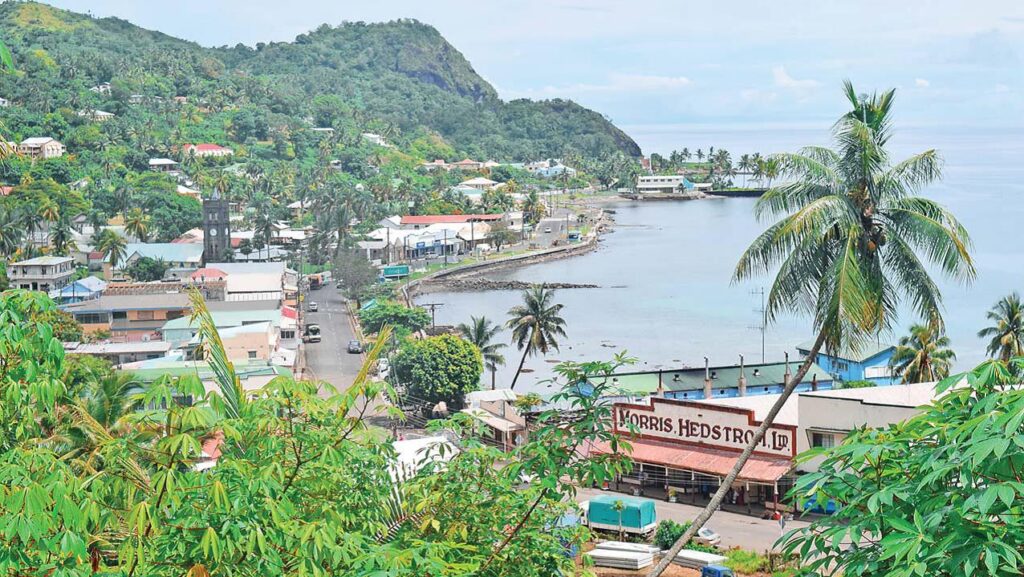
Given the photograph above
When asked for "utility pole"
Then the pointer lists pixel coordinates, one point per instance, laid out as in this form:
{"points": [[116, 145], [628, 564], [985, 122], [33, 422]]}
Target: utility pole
{"points": [[444, 249], [763, 326], [433, 310]]}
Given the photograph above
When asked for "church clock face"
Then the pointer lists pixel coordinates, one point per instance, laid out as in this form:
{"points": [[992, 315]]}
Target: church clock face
{"points": [[213, 232]]}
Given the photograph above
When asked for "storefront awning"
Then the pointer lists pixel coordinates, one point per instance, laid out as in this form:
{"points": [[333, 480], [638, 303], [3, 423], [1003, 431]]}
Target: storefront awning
{"points": [[702, 460]]}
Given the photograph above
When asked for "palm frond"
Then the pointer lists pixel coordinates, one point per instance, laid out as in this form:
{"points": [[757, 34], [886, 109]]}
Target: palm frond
{"points": [[215, 354]]}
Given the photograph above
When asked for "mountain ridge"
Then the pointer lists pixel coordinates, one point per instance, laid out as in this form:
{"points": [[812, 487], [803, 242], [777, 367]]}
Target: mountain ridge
{"points": [[402, 73]]}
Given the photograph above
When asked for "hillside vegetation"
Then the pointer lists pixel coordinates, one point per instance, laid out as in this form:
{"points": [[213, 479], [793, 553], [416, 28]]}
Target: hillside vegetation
{"points": [[401, 79]]}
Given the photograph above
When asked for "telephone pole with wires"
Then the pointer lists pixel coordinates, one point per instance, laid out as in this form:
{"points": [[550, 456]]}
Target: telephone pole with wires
{"points": [[763, 326]]}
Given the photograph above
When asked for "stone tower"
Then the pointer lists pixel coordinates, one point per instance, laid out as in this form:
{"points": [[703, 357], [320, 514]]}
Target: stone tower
{"points": [[216, 229]]}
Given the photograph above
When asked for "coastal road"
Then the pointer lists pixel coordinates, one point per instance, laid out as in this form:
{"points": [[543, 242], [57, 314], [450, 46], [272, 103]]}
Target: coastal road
{"points": [[744, 531], [329, 360], [545, 239]]}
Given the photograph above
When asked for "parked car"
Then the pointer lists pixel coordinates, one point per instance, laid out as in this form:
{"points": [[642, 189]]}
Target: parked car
{"points": [[707, 536], [312, 307], [311, 334], [547, 229], [355, 347], [383, 366]]}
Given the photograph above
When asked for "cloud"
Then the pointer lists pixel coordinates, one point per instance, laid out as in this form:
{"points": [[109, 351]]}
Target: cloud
{"points": [[921, 83], [784, 80], [1001, 89], [634, 83]]}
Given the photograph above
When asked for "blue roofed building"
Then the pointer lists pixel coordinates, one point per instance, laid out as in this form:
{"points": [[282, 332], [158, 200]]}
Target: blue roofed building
{"points": [[83, 289], [869, 362]]}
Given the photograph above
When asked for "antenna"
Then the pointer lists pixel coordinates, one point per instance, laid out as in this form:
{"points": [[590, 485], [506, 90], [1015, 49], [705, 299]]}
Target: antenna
{"points": [[763, 325], [433, 308]]}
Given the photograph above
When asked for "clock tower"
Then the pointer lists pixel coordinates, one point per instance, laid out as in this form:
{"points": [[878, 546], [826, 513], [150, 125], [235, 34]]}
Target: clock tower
{"points": [[216, 229]]}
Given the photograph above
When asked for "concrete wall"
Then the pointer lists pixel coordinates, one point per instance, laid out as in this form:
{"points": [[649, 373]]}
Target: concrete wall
{"points": [[831, 414]]}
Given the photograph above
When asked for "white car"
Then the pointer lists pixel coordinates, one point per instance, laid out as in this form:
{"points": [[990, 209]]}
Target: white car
{"points": [[547, 229], [312, 307], [707, 536]]}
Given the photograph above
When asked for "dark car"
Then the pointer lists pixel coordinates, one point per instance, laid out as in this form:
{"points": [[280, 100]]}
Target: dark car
{"points": [[355, 347]]}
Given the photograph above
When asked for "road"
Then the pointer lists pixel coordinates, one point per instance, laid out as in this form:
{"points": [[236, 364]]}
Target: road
{"points": [[329, 359], [743, 531]]}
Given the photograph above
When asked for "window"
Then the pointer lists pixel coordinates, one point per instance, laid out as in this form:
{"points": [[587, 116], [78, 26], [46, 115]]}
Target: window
{"points": [[286, 334], [145, 316], [823, 440], [92, 318], [120, 315], [252, 355]]}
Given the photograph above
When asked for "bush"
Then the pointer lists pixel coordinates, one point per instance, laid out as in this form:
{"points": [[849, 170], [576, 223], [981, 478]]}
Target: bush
{"points": [[441, 368], [858, 384], [668, 532]]}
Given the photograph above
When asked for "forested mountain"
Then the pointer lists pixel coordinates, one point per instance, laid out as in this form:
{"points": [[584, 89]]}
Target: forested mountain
{"points": [[400, 79]]}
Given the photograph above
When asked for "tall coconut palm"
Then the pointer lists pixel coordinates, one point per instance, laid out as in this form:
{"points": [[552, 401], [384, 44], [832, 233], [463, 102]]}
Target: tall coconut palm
{"points": [[62, 239], [481, 332], [852, 243], [535, 324], [112, 245], [11, 232], [1006, 335], [136, 223], [924, 355]]}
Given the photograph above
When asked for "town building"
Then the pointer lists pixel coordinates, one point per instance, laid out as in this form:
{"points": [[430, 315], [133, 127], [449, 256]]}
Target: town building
{"points": [[43, 273], [164, 165], [506, 427], [41, 148], [251, 342], [120, 353], [252, 375], [180, 331], [435, 164], [480, 183], [468, 164], [180, 256], [374, 139], [83, 289], [257, 281], [96, 115], [871, 362], [103, 88], [416, 222], [130, 317], [713, 382], [206, 150], [659, 184], [689, 446], [186, 191]]}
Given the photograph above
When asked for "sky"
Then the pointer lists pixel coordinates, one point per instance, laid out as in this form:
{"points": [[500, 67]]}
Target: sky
{"points": [[663, 64]]}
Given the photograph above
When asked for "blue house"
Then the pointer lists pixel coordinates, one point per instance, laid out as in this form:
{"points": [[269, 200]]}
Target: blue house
{"points": [[83, 289], [868, 363]]}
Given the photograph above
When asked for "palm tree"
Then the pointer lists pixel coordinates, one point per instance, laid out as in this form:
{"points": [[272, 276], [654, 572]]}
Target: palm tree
{"points": [[61, 238], [1006, 336], [848, 248], [924, 355], [481, 332], [700, 155], [11, 233], [112, 245], [136, 223], [535, 324]]}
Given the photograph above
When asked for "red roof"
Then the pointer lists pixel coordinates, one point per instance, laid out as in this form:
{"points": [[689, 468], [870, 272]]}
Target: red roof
{"points": [[449, 218], [702, 460], [208, 273], [95, 255], [6, 190], [212, 445], [206, 147], [289, 312]]}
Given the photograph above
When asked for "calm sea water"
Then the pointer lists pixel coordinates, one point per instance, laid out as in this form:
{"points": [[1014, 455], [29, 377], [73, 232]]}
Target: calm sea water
{"points": [[665, 294]]}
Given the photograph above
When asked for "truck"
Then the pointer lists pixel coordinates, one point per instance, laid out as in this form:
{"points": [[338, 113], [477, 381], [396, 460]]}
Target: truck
{"points": [[316, 282], [633, 515]]}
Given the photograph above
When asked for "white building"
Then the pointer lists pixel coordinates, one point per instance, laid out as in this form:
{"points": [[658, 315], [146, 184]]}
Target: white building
{"points": [[163, 165], [43, 273], [41, 147], [375, 139], [659, 184]]}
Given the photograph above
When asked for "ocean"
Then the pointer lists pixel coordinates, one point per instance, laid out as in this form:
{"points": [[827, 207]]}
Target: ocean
{"points": [[664, 274]]}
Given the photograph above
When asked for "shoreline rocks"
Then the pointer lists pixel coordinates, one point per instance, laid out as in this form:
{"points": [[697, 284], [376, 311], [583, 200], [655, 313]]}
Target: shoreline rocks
{"points": [[483, 284]]}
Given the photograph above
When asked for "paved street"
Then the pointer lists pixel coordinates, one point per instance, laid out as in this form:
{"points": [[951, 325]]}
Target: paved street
{"points": [[744, 531], [329, 360]]}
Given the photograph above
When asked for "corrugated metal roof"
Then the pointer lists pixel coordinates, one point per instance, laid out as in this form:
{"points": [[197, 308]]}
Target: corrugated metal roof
{"points": [[166, 251], [858, 355], [691, 379]]}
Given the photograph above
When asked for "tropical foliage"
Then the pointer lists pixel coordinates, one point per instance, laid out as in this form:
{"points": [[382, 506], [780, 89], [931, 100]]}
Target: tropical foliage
{"points": [[441, 368], [287, 479], [1006, 335], [535, 324], [924, 355], [481, 332], [395, 315], [937, 495]]}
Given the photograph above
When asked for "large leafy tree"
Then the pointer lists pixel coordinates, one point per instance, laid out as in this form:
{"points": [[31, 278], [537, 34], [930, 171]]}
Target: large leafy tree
{"points": [[441, 368], [852, 243], [1006, 335], [536, 325], [940, 494], [481, 332], [924, 355]]}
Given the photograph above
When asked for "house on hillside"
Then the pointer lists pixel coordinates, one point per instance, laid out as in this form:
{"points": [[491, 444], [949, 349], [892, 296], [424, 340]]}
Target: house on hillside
{"points": [[103, 88], [41, 147], [480, 183], [164, 165], [206, 150], [868, 363], [375, 139], [96, 115], [43, 273], [435, 164], [468, 164]]}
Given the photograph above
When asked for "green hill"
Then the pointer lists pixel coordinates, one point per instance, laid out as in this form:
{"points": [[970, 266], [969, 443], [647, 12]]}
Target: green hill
{"points": [[401, 79]]}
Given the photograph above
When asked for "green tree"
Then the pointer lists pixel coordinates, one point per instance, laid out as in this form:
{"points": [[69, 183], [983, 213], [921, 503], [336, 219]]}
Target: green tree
{"points": [[355, 273], [924, 355], [441, 368], [535, 325], [64, 326], [11, 232], [849, 247], [481, 332], [147, 269], [1006, 335], [136, 223], [936, 495], [393, 314]]}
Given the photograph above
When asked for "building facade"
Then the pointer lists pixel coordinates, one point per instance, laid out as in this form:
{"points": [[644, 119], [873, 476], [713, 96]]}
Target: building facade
{"points": [[44, 273], [870, 362], [41, 148], [216, 229]]}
